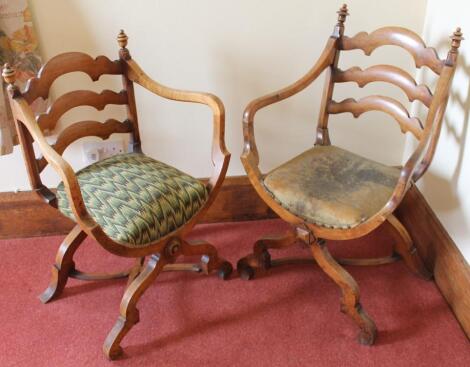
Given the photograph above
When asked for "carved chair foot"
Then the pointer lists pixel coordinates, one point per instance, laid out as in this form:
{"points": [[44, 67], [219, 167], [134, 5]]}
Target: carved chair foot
{"points": [[259, 261], [129, 314], [367, 337], [254, 264], [368, 331], [57, 283], [244, 270], [210, 260], [225, 270], [403, 246], [350, 304], [64, 264], [111, 346]]}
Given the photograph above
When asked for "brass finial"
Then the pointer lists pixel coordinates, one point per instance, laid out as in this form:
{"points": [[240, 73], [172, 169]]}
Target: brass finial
{"points": [[342, 13], [456, 38], [122, 39], [9, 74]]}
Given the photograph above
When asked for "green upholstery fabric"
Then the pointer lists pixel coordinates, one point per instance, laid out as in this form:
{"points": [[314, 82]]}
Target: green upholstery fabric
{"points": [[331, 187], [136, 199]]}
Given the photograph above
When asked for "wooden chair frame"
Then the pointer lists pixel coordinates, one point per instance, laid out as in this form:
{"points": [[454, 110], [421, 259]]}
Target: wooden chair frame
{"points": [[315, 235], [163, 252]]}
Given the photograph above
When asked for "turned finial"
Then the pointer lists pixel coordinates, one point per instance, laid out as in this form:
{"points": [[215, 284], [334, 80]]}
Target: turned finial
{"points": [[342, 13], [339, 27], [122, 42], [122, 39], [456, 38], [9, 74]]}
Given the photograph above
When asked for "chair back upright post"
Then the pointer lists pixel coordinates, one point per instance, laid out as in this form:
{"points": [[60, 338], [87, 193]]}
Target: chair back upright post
{"points": [[322, 136], [128, 85], [26, 141], [437, 109]]}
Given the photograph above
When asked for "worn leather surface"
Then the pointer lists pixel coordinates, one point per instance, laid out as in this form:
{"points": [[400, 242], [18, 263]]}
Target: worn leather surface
{"points": [[332, 187]]}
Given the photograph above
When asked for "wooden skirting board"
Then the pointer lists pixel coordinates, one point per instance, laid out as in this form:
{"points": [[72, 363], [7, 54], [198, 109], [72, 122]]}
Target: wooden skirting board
{"points": [[440, 254], [23, 214]]}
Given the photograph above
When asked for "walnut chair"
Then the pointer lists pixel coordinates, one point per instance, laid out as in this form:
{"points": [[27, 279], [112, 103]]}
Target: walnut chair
{"points": [[131, 204], [328, 193]]}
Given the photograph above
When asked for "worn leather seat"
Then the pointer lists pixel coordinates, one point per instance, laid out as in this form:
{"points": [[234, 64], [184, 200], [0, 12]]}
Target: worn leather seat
{"points": [[331, 187]]}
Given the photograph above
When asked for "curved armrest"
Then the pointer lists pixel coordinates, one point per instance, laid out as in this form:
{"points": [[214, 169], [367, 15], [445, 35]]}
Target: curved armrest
{"points": [[250, 156], [65, 171], [220, 154]]}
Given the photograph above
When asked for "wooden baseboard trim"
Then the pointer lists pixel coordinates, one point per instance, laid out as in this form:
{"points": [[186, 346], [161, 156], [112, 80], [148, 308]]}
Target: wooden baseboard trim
{"points": [[237, 201], [440, 254], [23, 214]]}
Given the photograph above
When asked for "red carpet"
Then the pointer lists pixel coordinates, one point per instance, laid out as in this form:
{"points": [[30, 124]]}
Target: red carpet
{"points": [[289, 318]]}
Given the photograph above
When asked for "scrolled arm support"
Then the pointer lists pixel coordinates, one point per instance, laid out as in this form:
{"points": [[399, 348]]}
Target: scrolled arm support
{"points": [[220, 155]]}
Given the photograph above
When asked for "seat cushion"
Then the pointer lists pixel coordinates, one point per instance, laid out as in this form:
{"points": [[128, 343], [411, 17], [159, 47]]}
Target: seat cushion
{"points": [[332, 187], [136, 199]]}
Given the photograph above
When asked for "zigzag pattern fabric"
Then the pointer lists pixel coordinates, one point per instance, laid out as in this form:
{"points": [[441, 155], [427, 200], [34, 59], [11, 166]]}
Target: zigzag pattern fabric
{"points": [[136, 199]]}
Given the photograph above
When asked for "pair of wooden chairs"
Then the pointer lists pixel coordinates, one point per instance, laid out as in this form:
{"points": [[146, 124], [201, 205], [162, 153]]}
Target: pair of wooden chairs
{"points": [[135, 206]]}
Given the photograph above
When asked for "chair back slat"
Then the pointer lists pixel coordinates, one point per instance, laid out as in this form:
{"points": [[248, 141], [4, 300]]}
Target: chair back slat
{"points": [[380, 103], [83, 129], [396, 36], [385, 73], [70, 100], [39, 87], [65, 63]]}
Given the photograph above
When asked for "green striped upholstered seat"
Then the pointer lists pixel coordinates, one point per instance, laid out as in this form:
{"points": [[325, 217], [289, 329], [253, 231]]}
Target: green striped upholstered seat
{"points": [[136, 199]]}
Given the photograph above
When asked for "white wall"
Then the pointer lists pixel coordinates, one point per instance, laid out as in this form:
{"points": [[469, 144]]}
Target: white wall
{"points": [[238, 50], [447, 182]]}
